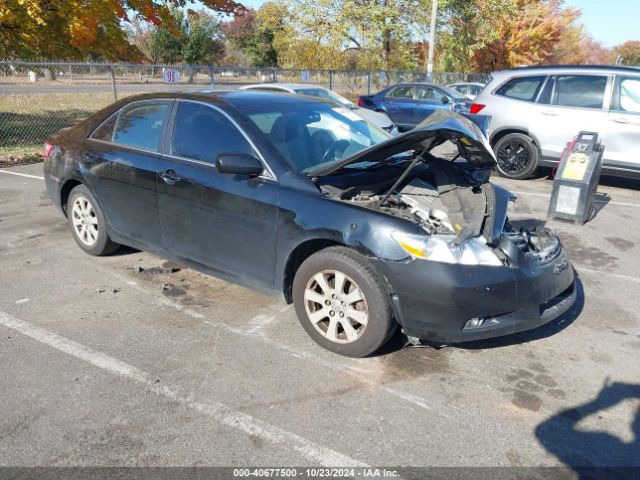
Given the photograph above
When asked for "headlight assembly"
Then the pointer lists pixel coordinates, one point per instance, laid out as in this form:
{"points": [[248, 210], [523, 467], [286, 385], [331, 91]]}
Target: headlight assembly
{"points": [[440, 248]]}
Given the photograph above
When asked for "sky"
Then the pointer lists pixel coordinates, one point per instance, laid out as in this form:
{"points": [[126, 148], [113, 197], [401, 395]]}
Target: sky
{"points": [[610, 22]]}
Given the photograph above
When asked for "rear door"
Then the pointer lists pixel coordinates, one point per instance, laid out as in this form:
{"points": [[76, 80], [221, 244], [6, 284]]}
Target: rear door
{"points": [[226, 222], [120, 161], [567, 105], [399, 103], [622, 145]]}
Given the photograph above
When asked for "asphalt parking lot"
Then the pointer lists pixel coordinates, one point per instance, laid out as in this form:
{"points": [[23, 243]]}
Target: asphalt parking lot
{"points": [[101, 364]]}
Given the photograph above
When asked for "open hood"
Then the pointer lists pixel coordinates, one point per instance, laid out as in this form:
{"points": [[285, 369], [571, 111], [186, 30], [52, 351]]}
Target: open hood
{"points": [[436, 129]]}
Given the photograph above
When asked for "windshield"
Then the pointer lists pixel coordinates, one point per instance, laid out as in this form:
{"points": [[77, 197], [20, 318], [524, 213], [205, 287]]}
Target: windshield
{"points": [[325, 94], [311, 134]]}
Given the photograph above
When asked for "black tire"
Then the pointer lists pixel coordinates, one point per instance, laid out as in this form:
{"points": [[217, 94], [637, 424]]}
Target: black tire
{"points": [[359, 274], [517, 156], [96, 242]]}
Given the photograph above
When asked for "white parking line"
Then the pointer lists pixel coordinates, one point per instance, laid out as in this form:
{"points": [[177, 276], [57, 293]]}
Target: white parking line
{"points": [[221, 413], [7, 172]]}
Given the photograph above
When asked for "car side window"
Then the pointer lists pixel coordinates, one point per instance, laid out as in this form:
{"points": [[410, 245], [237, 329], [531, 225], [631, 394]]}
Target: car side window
{"points": [[427, 93], [521, 88], [585, 91], [105, 131], [140, 125], [401, 92], [202, 133], [627, 96]]}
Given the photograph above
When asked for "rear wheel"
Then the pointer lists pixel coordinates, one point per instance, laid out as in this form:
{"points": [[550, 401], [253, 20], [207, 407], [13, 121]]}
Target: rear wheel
{"points": [[517, 156], [87, 223], [341, 302]]}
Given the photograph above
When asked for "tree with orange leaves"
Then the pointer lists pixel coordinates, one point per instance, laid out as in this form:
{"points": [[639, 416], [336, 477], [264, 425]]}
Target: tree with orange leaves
{"points": [[76, 29]]}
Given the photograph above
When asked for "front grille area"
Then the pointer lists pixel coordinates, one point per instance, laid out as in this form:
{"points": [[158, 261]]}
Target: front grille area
{"points": [[541, 247]]}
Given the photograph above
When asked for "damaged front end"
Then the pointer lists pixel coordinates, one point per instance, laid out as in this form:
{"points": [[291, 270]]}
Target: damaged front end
{"points": [[462, 217]]}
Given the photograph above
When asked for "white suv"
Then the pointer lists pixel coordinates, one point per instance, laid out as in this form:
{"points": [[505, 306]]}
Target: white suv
{"points": [[535, 111]]}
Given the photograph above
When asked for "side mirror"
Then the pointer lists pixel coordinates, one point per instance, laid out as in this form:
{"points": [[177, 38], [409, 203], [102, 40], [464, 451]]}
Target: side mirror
{"points": [[444, 99], [239, 164]]}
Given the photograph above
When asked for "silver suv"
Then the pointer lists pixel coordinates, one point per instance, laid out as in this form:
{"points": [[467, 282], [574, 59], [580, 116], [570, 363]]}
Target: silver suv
{"points": [[536, 110]]}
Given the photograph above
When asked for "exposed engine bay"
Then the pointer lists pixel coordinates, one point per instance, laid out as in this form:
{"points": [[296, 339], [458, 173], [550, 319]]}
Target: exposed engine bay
{"points": [[449, 201]]}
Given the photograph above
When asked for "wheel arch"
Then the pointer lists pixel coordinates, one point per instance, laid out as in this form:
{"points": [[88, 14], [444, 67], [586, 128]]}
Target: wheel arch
{"points": [[298, 255], [65, 191], [496, 136]]}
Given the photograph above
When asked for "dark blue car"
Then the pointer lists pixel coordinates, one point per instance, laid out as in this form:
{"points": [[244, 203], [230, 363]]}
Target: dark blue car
{"points": [[407, 104]]}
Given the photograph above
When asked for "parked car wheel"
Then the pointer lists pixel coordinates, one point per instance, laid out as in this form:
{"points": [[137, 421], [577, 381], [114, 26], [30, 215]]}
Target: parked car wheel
{"points": [[87, 223], [517, 156], [341, 302]]}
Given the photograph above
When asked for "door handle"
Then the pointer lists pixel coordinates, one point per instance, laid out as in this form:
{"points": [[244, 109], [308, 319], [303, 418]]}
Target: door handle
{"points": [[170, 177], [550, 113], [620, 120]]}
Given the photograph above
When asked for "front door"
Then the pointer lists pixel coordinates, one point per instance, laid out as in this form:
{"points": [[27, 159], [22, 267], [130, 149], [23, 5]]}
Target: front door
{"points": [[226, 222], [428, 100], [622, 146]]}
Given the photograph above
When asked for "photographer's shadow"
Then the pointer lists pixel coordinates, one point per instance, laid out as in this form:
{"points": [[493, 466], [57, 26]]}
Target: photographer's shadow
{"points": [[592, 453]]}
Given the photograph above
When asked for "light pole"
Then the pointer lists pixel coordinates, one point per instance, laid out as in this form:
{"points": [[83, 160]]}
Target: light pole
{"points": [[432, 38]]}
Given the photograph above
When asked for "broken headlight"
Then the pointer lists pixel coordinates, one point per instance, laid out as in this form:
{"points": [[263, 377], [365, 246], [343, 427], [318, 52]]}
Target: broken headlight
{"points": [[441, 248]]}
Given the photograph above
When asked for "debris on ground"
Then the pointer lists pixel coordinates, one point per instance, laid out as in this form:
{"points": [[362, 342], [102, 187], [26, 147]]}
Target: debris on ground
{"points": [[158, 270]]}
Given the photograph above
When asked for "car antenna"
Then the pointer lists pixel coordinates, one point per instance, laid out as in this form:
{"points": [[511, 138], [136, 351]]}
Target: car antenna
{"points": [[404, 175]]}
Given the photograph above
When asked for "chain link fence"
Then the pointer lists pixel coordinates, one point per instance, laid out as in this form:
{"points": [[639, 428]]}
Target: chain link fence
{"points": [[40, 98]]}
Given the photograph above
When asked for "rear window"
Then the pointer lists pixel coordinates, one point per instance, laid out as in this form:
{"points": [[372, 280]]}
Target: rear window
{"points": [[140, 125], [521, 88]]}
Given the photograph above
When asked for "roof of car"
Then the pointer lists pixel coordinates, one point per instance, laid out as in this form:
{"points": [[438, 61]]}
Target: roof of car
{"points": [[416, 84], [230, 97], [546, 68], [466, 83], [288, 86]]}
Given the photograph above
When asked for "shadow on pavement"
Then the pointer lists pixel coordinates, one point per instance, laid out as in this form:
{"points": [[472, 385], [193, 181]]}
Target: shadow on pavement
{"points": [[594, 454]]}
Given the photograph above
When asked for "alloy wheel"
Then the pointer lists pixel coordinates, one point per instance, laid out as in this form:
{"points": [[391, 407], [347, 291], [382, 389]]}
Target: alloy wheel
{"points": [[85, 220], [336, 306], [514, 157]]}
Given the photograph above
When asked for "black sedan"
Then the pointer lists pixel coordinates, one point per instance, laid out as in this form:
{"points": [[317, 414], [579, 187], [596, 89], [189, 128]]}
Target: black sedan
{"points": [[361, 231]]}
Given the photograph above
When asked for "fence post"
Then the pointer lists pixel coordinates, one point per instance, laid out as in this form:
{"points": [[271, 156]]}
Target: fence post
{"points": [[213, 75], [369, 82], [113, 84], [330, 79], [275, 75]]}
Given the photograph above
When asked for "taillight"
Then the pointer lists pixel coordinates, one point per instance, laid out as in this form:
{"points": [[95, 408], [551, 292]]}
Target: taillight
{"points": [[360, 102], [476, 107], [48, 147]]}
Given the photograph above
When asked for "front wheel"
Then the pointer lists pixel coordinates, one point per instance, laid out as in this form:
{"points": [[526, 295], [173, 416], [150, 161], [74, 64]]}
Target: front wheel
{"points": [[87, 223], [517, 156], [342, 303]]}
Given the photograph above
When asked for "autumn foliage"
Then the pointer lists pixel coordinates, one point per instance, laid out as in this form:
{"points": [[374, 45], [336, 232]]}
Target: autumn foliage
{"points": [[74, 29]]}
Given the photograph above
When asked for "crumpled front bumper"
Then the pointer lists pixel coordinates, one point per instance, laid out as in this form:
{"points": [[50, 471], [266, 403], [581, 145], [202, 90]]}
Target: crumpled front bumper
{"points": [[442, 302]]}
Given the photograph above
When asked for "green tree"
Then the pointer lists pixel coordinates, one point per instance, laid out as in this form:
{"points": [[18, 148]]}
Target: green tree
{"points": [[203, 42]]}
